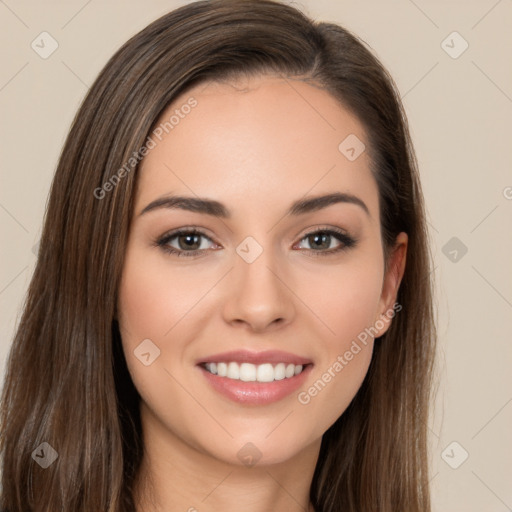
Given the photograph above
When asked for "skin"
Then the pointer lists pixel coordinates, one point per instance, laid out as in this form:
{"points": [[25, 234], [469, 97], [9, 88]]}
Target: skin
{"points": [[256, 145]]}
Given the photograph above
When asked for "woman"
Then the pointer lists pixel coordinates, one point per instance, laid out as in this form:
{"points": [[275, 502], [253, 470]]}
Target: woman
{"points": [[232, 301]]}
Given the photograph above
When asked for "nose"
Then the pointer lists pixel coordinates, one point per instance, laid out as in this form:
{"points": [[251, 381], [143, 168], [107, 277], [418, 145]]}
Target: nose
{"points": [[258, 296]]}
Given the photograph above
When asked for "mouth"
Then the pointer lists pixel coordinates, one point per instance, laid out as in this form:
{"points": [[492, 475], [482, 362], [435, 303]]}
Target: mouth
{"points": [[253, 378]]}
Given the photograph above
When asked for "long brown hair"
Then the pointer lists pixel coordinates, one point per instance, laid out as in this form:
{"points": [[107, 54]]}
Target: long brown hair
{"points": [[67, 382]]}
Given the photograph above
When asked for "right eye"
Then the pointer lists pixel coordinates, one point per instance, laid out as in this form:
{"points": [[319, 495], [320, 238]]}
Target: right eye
{"points": [[184, 242]]}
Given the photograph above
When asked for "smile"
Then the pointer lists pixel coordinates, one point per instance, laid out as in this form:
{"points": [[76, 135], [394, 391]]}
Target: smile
{"points": [[248, 372], [255, 378]]}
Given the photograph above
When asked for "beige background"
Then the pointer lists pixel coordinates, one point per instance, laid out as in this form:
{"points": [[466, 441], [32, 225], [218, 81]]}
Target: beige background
{"points": [[460, 111]]}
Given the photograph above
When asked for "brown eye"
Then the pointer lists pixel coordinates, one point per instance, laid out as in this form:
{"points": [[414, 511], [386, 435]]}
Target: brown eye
{"points": [[321, 241], [190, 241], [185, 242]]}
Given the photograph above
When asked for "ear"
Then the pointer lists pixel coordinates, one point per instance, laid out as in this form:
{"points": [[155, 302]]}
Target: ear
{"points": [[391, 283]]}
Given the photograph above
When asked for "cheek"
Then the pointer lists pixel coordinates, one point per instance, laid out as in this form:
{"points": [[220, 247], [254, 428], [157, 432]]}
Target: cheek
{"points": [[162, 304], [346, 301], [343, 297], [153, 299], [157, 303]]}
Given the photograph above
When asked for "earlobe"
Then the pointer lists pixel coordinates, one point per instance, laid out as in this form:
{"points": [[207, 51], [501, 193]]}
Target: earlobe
{"points": [[391, 283]]}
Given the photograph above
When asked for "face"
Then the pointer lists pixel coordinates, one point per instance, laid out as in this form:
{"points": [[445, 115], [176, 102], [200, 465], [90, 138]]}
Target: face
{"points": [[248, 313]]}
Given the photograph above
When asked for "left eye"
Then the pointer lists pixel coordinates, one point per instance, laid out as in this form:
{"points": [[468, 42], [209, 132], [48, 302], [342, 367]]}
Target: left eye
{"points": [[190, 242], [322, 240]]}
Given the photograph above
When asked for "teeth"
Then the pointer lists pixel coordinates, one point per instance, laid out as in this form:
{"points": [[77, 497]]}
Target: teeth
{"points": [[248, 372], [233, 371], [265, 373], [279, 371], [222, 369]]}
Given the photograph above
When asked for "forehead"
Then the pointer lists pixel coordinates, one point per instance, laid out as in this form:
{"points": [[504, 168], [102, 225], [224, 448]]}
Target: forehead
{"points": [[264, 138]]}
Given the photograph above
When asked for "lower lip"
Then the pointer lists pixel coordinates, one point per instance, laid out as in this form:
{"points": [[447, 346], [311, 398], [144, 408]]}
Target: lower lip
{"points": [[256, 393]]}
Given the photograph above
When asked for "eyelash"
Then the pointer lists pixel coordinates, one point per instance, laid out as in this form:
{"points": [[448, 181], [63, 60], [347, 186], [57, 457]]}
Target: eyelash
{"points": [[347, 241]]}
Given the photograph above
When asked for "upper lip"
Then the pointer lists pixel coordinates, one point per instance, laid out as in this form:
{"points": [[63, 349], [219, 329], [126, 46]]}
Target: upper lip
{"points": [[246, 356]]}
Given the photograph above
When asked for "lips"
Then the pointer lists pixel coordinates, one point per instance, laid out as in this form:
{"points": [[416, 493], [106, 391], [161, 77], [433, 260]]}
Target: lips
{"points": [[255, 378]]}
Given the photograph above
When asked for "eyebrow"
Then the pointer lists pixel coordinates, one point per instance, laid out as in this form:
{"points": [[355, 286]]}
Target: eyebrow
{"points": [[217, 209]]}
